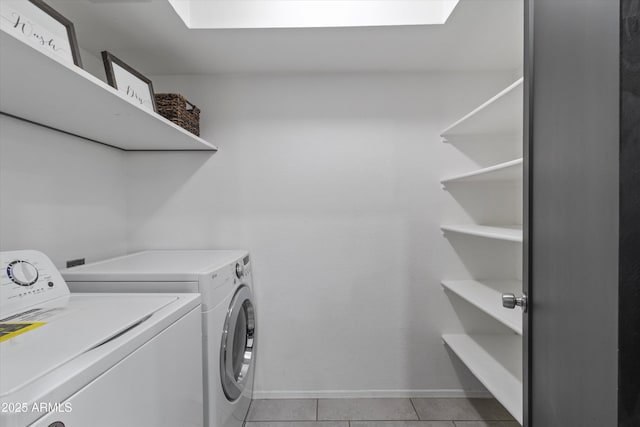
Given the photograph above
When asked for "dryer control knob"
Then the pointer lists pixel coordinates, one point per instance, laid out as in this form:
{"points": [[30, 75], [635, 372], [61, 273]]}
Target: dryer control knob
{"points": [[239, 270], [22, 273]]}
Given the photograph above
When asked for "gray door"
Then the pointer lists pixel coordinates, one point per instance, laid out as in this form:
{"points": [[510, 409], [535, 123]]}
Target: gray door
{"points": [[572, 212]]}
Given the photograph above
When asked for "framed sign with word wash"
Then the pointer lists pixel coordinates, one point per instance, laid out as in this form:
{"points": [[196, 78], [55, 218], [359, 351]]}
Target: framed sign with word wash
{"points": [[40, 26]]}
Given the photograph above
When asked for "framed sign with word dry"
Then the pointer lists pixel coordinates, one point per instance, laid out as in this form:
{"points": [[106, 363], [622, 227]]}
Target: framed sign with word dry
{"points": [[40, 26], [136, 87]]}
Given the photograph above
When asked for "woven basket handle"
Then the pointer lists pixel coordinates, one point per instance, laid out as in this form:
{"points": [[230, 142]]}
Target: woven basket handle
{"points": [[193, 107]]}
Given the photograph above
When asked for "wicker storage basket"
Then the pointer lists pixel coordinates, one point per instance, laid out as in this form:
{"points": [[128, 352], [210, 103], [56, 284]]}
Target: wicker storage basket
{"points": [[176, 108]]}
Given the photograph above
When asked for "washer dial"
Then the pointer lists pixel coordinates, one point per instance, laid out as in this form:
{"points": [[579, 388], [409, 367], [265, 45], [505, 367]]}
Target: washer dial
{"points": [[239, 270], [22, 273]]}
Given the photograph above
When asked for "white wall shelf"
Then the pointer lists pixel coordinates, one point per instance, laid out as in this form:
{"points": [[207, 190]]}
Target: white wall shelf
{"points": [[509, 233], [486, 296], [37, 87], [507, 171], [501, 114], [501, 376]]}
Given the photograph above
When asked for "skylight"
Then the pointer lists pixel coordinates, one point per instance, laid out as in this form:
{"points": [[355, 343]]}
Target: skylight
{"points": [[209, 14]]}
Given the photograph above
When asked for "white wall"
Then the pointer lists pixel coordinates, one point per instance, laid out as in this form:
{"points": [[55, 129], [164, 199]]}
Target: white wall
{"points": [[60, 194], [332, 182]]}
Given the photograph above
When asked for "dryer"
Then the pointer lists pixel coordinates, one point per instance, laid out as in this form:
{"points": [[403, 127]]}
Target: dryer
{"points": [[100, 360], [224, 279]]}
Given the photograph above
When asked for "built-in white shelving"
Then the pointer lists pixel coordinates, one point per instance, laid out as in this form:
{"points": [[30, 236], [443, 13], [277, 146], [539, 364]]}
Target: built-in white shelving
{"points": [[496, 360], [487, 296], [508, 233], [507, 171], [37, 87], [501, 114]]}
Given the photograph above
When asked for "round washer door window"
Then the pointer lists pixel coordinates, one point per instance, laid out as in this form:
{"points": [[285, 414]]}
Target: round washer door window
{"points": [[238, 344]]}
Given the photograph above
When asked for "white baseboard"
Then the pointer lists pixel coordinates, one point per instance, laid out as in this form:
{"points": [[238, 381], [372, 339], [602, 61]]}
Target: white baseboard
{"points": [[333, 394]]}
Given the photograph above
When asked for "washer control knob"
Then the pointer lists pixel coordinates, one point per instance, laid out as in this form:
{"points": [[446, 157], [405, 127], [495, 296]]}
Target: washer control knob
{"points": [[239, 270], [22, 273]]}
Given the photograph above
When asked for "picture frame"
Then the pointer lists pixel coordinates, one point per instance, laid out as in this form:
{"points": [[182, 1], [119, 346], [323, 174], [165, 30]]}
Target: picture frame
{"points": [[42, 27], [129, 82]]}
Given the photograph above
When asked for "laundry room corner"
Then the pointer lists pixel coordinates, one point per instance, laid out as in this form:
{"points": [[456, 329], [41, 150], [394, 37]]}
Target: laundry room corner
{"points": [[332, 181]]}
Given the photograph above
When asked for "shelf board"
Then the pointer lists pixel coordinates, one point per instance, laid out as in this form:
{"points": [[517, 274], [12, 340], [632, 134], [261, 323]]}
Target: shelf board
{"points": [[501, 375], [510, 233], [39, 88], [501, 114], [486, 296], [507, 171]]}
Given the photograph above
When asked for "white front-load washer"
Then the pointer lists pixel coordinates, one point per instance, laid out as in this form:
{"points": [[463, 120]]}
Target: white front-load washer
{"points": [[99, 360], [224, 278]]}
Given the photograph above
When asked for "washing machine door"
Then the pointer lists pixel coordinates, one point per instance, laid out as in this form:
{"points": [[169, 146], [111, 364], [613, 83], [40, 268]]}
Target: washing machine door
{"points": [[237, 351]]}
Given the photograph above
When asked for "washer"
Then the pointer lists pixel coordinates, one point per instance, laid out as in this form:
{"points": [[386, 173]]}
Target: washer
{"points": [[224, 279], [94, 359]]}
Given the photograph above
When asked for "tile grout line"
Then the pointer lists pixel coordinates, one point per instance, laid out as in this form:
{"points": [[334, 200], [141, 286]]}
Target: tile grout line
{"points": [[414, 408], [317, 404]]}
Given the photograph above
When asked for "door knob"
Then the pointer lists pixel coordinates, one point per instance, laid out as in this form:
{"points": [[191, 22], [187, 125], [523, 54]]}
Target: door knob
{"points": [[511, 301]]}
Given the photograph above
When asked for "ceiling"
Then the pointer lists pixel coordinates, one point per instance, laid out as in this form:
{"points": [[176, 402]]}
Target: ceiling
{"points": [[149, 36], [311, 13]]}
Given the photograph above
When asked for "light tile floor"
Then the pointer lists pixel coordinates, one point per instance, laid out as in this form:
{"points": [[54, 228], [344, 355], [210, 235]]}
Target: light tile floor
{"points": [[420, 412]]}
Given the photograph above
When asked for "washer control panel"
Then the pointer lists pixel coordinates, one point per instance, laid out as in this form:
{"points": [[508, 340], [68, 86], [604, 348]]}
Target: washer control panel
{"points": [[239, 270], [28, 278], [243, 267], [22, 272]]}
